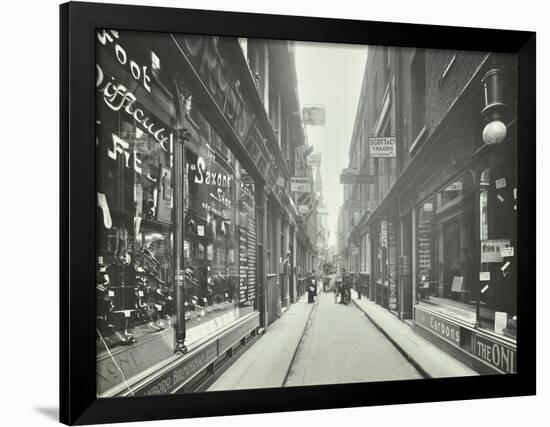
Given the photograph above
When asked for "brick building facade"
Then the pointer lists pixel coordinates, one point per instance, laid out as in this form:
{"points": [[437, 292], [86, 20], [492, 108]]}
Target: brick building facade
{"points": [[437, 226]]}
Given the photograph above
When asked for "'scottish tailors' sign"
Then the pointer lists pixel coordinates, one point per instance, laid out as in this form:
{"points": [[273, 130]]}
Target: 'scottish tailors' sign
{"points": [[382, 147]]}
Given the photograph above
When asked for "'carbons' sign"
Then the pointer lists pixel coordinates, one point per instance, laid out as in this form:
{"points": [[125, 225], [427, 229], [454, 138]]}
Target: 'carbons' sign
{"points": [[442, 328]]}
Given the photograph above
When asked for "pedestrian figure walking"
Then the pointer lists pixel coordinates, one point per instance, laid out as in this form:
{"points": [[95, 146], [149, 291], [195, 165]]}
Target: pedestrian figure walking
{"points": [[312, 289], [314, 278]]}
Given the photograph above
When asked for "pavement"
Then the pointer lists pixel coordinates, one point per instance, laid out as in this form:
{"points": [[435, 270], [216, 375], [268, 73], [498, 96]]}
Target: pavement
{"points": [[267, 363], [425, 356], [328, 343]]}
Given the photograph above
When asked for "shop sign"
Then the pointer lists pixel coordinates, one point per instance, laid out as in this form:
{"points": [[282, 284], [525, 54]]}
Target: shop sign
{"points": [[300, 184], [314, 116], [351, 176], [175, 378], [139, 72], [314, 159], [442, 328], [496, 354], [221, 80], [491, 249], [202, 175], [118, 98], [382, 147]]}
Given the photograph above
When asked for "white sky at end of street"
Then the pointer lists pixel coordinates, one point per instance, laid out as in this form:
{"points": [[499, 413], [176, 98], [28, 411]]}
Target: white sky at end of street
{"points": [[330, 75]]}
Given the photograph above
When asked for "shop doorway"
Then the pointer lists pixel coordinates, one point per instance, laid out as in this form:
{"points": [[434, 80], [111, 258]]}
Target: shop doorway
{"points": [[282, 269], [405, 267], [451, 261]]}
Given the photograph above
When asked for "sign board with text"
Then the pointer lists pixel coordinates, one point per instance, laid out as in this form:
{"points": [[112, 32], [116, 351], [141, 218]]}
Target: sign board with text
{"points": [[382, 147], [458, 284], [444, 329], [314, 116], [301, 184], [497, 354], [491, 250], [314, 159], [350, 176]]}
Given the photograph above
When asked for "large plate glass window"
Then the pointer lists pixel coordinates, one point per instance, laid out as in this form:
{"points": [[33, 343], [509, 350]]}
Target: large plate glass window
{"points": [[445, 251], [134, 265]]}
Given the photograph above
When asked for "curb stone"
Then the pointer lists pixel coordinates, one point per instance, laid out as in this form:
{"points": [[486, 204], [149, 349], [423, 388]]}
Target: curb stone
{"points": [[400, 348]]}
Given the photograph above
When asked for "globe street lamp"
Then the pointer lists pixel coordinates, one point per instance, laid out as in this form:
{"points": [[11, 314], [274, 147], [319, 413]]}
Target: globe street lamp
{"points": [[494, 131]]}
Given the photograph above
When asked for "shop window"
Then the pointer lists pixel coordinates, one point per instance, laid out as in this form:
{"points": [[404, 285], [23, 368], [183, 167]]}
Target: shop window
{"points": [[445, 251], [134, 265], [220, 237], [135, 294], [498, 236]]}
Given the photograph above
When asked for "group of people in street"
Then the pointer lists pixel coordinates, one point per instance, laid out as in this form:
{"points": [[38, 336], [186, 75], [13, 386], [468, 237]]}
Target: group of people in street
{"points": [[340, 283], [342, 289]]}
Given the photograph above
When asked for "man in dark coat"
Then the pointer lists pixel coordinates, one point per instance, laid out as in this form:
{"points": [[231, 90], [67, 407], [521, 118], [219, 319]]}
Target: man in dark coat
{"points": [[311, 288]]}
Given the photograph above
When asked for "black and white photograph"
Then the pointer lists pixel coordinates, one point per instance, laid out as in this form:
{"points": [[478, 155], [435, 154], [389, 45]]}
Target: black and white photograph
{"points": [[273, 213]]}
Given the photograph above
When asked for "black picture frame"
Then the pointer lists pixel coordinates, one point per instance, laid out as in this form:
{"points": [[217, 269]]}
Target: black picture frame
{"points": [[78, 402]]}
